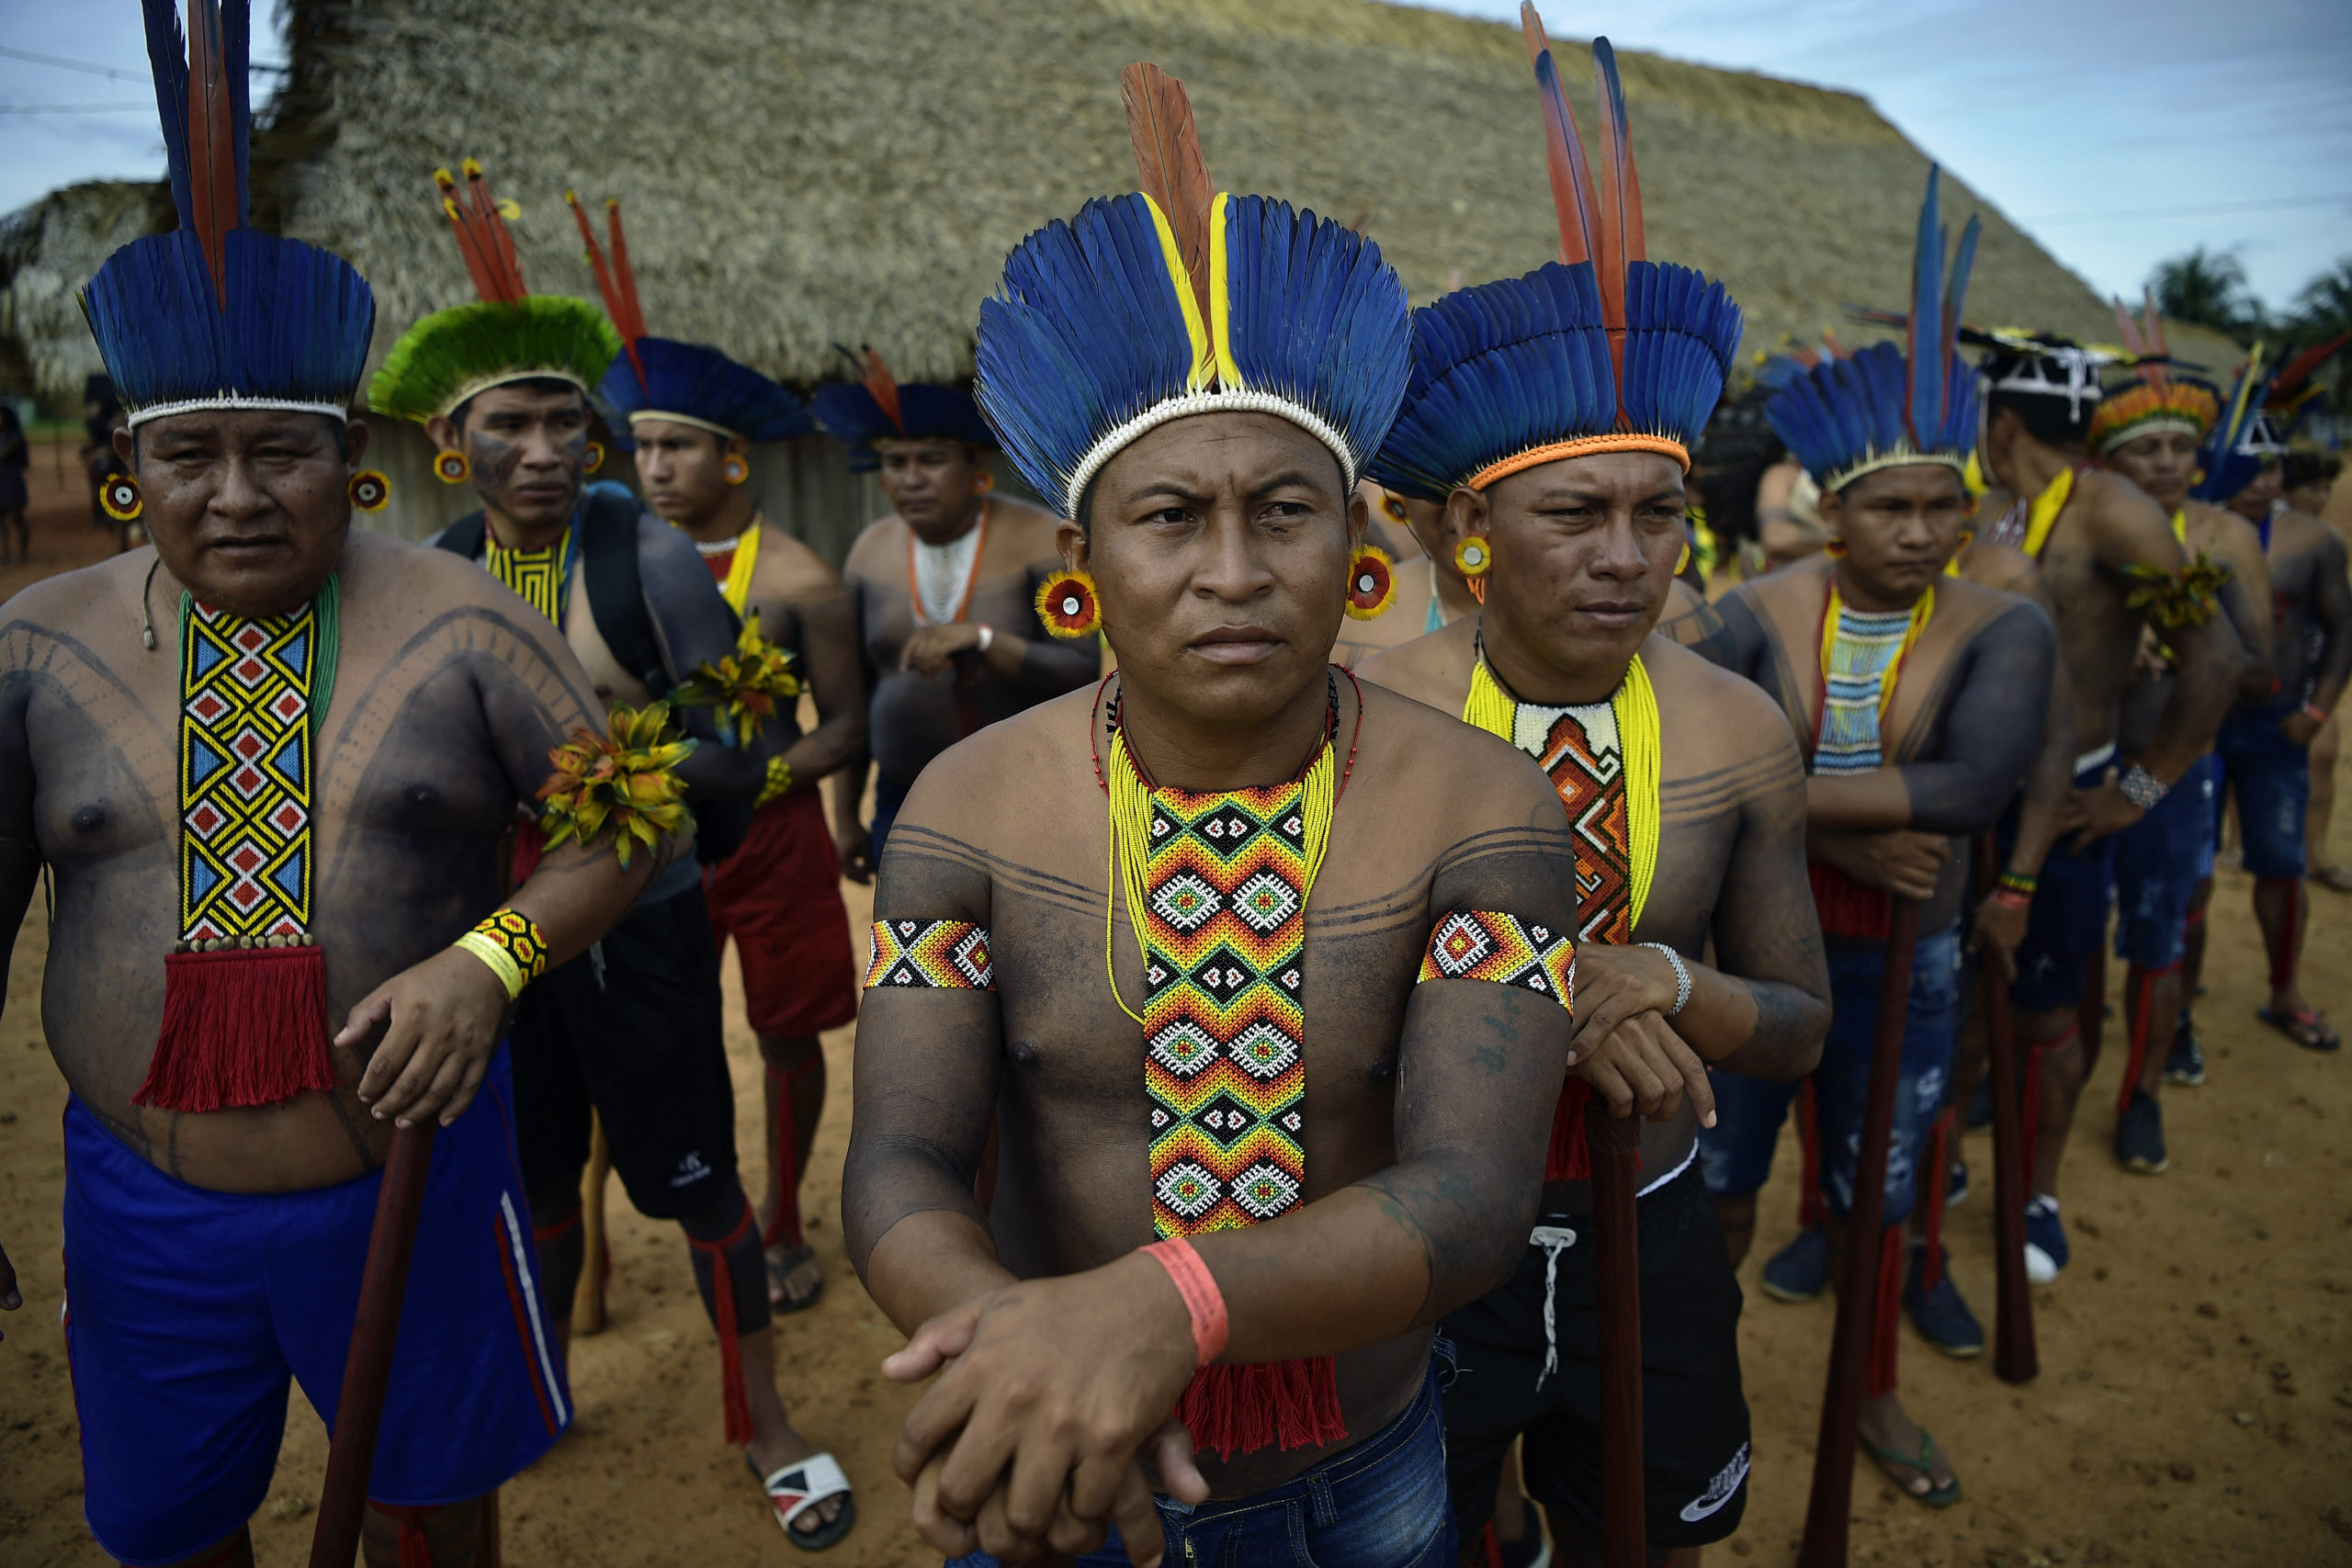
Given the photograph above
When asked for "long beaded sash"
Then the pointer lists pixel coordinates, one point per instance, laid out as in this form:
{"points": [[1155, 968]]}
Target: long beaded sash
{"points": [[1862, 658], [541, 579], [244, 986], [1603, 758]]}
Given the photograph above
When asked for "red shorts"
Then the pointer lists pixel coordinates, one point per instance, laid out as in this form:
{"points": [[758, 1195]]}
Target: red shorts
{"points": [[780, 897]]}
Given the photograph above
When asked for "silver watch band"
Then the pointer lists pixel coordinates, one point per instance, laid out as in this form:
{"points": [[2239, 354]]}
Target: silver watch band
{"points": [[1681, 975], [2141, 787]]}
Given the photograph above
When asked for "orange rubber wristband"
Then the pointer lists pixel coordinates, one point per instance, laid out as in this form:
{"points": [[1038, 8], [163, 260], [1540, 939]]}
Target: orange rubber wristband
{"points": [[1203, 1301]]}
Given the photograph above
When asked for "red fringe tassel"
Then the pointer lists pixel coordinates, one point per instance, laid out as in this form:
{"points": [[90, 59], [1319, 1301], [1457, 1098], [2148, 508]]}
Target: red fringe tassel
{"points": [[1259, 1404], [525, 858], [1886, 1321], [415, 1551], [1813, 1209], [244, 1026], [730, 1348], [1567, 1160], [2031, 1115], [1847, 908], [1937, 1176]]}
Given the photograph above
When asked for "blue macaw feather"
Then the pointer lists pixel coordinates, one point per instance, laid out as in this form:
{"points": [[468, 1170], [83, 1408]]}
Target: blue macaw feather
{"points": [[704, 384]]}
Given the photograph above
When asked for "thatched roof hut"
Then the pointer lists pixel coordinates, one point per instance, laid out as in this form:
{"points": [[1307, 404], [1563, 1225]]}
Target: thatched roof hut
{"points": [[798, 174]]}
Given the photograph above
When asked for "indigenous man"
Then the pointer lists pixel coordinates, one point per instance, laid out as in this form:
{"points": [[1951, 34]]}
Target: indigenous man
{"points": [[2109, 559], [2150, 429], [694, 414], [945, 591], [632, 1030], [2264, 745], [1920, 700], [285, 750], [2307, 480], [1688, 801], [1267, 904]]}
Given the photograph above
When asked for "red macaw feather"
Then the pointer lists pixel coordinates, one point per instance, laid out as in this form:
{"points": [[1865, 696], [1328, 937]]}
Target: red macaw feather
{"points": [[1572, 194], [211, 138], [617, 306], [1169, 166], [469, 247], [882, 389]]}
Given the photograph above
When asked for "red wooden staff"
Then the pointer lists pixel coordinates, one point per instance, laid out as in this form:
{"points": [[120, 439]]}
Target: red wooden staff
{"points": [[369, 1367], [1615, 1145], [1826, 1517], [2014, 1359]]}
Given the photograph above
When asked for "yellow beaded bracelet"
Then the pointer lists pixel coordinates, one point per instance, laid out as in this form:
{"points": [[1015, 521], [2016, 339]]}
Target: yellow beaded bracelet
{"points": [[512, 948], [779, 782]]}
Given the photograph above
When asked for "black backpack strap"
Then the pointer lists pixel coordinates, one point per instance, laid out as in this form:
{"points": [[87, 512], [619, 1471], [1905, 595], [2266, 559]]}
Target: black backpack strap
{"points": [[466, 536], [616, 591]]}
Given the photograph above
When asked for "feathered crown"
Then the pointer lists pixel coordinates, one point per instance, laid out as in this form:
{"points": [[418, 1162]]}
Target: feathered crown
{"points": [[2155, 401], [1883, 407], [2294, 391], [876, 408], [659, 378], [509, 334], [1601, 351], [216, 314], [1184, 299], [2240, 441]]}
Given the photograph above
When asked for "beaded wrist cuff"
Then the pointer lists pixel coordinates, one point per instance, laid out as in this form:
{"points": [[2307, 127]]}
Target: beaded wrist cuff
{"points": [[779, 783], [2141, 787], [513, 947], [2018, 882], [1681, 975]]}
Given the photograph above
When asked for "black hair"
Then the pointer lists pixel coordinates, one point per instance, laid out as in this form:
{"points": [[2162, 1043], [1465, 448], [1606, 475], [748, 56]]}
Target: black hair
{"points": [[528, 383], [2310, 468], [1733, 455], [2055, 421], [1957, 482]]}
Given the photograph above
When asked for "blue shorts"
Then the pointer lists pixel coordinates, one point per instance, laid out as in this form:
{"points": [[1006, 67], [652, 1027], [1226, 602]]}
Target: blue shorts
{"points": [[1381, 1504], [890, 795], [2271, 777], [1736, 1154], [2159, 861], [2067, 925], [187, 1311]]}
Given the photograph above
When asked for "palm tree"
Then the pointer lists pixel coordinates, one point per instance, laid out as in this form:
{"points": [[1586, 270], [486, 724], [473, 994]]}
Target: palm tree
{"points": [[2208, 288], [2322, 311]]}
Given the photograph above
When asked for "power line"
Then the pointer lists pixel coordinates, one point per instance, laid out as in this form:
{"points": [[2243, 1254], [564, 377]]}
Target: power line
{"points": [[70, 108], [112, 72], [2267, 204]]}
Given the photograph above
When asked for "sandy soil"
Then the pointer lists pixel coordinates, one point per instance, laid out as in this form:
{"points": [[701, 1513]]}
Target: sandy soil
{"points": [[2195, 1397]]}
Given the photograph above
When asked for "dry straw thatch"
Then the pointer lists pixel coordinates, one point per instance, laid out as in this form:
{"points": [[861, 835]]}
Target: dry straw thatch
{"points": [[798, 174]]}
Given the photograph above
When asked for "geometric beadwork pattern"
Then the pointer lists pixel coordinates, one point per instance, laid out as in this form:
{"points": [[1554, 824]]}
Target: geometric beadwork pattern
{"points": [[1486, 944], [1579, 749], [246, 773], [947, 955], [540, 577], [1225, 930]]}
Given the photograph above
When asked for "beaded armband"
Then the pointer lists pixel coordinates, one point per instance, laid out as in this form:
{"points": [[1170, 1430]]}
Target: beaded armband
{"points": [[1485, 944], [626, 780], [512, 945], [941, 955], [779, 783], [745, 688], [2018, 882], [2170, 602]]}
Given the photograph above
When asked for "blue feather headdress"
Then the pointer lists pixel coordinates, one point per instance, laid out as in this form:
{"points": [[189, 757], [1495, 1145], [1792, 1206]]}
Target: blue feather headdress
{"points": [[1182, 299], [1601, 351], [659, 377], [2243, 441], [214, 314], [876, 407], [1885, 407]]}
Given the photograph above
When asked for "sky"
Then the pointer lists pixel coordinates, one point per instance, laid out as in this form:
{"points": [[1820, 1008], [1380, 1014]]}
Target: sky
{"points": [[2117, 132]]}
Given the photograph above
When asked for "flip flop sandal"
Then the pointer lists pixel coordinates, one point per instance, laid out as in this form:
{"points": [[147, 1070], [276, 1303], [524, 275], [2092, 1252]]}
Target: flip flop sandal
{"points": [[2305, 1028], [1942, 1496], [802, 1485], [2336, 878], [780, 1268]]}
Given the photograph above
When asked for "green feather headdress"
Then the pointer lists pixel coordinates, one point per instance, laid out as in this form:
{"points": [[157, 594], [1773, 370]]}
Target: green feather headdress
{"points": [[509, 334]]}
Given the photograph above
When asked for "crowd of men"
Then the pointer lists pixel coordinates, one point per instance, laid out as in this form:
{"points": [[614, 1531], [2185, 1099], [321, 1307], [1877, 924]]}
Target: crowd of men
{"points": [[1540, 834]]}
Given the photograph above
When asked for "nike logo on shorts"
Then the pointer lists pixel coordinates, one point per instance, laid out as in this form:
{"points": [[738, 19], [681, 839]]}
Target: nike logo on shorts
{"points": [[1721, 1490]]}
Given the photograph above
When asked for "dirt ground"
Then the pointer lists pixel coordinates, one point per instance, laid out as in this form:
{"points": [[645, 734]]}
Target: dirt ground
{"points": [[2197, 1360]]}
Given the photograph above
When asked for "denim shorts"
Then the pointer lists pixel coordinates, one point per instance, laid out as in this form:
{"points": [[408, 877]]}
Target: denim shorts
{"points": [[1381, 1504], [2067, 925], [2159, 861], [1736, 1154], [2271, 777]]}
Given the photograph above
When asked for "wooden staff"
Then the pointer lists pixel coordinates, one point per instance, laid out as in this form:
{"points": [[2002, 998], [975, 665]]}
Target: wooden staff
{"points": [[1826, 1517], [1615, 1143], [967, 695], [2014, 1359], [588, 1294], [368, 1369]]}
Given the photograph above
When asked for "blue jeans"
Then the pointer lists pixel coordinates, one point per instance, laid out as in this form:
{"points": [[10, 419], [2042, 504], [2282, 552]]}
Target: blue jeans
{"points": [[1382, 1503], [2271, 777], [2159, 861], [888, 796], [1736, 1154]]}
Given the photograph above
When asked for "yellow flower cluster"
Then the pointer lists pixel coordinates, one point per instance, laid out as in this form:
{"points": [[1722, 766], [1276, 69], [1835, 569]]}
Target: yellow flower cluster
{"points": [[744, 687], [625, 780]]}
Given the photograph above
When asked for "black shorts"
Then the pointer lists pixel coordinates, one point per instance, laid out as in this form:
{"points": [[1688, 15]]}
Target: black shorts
{"points": [[632, 1029], [1694, 1419]]}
